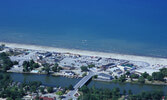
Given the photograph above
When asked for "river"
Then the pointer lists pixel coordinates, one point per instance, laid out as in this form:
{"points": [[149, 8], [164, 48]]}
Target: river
{"points": [[65, 82]]}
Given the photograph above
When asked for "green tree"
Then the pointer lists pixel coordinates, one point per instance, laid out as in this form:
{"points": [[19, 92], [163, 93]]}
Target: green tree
{"points": [[116, 93], [149, 78], [145, 74], [84, 68], [84, 89], [59, 68], [158, 76], [55, 68], [129, 92], [35, 65], [42, 89], [59, 93], [33, 88], [50, 89], [141, 79], [70, 87], [95, 76], [164, 71], [127, 73], [124, 92], [134, 76], [91, 65], [84, 74], [122, 78], [15, 63], [47, 69]]}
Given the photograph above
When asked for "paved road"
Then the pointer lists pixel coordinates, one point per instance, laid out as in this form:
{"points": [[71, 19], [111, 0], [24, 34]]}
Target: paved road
{"points": [[70, 94]]}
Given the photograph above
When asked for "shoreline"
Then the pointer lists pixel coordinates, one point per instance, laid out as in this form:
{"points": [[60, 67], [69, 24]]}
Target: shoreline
{"points": [[98, 80], [150, 60]]}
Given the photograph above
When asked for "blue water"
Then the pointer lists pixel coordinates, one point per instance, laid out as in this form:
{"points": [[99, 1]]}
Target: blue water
{"points": [[136, 27]]}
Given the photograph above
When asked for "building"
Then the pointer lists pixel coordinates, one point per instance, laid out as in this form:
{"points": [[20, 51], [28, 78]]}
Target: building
{"points": [[105, 76], [66, 67], [104, 67], [122, 68], [69, 73]]}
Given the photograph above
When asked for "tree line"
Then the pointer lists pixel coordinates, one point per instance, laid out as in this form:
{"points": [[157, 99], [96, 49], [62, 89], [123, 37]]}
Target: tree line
{"points": [[5, 62], [115, 94]]}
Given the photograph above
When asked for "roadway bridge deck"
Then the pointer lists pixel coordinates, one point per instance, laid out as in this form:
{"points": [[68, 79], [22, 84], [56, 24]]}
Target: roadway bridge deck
{"points": [[70, 94]]}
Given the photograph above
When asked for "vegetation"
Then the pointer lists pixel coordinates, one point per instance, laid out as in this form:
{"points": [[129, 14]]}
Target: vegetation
{"points": [[127, 73], [46, 68], [91, 66], [15, 91], [42, 89], [8, 89], [84, 68], [114, 94], [29, 66], [2, 47], [99, 94], [5, 62], [55, 68], [145, 75], [70, 87], [149, 78], [122, 78], [156, 76], [84, 74], [159, 76], [141, 80], [153, 95], [50, 89], [95, 76], [135, 76], [59, 93]]}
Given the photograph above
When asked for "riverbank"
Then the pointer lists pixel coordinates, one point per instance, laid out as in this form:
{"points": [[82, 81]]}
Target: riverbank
{"points": [[150, 60], [52, 74], [133, 82], [97, 79], [64, 82]]}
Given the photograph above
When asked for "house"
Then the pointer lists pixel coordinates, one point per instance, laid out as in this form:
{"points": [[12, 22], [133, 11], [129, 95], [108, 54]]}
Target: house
{"points": [[47, 54], [104, 67], [34, 71], [69, 73], [105, 76], [66, 67], [122, 68]]}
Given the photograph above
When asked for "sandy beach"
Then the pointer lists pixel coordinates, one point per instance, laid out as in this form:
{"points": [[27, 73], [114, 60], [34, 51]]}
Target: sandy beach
{"points": [[150, 60]]}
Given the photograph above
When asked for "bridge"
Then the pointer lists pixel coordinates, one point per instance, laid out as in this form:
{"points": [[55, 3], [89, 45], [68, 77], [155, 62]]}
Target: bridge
{"points": [[70, 94]]}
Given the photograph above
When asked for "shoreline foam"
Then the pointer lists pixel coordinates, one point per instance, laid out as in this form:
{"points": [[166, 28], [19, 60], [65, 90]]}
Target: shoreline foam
{"points": [[150, 60]]}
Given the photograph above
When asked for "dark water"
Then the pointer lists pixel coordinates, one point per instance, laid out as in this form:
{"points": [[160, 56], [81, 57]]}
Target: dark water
{"points": [[65, 82], [120, 26]]}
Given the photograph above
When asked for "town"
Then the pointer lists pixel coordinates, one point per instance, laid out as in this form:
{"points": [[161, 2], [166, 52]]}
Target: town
{"points": [[75, 66]]}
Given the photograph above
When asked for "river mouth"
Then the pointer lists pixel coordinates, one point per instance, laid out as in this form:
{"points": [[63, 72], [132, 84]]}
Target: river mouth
{"points": [[54, 81]]}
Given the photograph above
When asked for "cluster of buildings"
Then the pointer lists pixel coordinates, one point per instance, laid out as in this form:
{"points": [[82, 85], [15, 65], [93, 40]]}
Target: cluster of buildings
{"points": [[72, 63]]}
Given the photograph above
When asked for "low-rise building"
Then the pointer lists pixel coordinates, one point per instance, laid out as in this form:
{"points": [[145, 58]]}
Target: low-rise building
{"points": [[69, 73], [105, 76]]}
